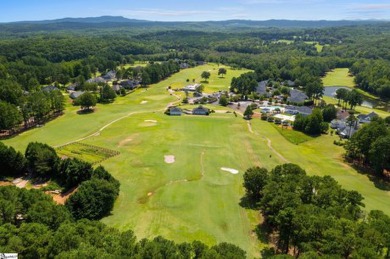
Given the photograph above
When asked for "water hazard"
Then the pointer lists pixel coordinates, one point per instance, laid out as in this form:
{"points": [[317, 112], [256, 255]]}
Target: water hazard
{"points": [[367, 102]]}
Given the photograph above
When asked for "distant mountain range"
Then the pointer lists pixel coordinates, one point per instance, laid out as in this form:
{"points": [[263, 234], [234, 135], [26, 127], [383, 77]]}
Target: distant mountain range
{"points": [[105, 22]]}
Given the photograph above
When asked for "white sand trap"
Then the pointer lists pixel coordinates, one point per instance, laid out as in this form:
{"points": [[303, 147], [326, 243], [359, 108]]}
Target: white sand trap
{"points": [[169, 159], [230, 170], [153, 121], [143, 102]]}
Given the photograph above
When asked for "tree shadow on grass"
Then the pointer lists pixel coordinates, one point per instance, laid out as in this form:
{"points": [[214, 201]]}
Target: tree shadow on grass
{"points": [[248, 203], [85, 111], [262, 232], [382, 183]]}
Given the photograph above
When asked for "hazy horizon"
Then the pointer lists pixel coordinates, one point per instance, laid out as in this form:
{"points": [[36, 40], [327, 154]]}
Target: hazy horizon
{"points": [[201, 10]]}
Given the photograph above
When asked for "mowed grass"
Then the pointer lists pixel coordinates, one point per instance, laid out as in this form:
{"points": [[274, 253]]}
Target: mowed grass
{"points": [[293, 136], [214, 83], [338, 77], [191, 198]]}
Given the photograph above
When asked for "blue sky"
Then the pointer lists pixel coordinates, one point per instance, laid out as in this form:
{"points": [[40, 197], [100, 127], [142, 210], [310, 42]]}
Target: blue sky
{"points": [[199, 10]]}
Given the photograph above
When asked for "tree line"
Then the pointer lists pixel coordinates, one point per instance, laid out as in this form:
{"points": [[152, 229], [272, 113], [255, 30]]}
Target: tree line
{"points": [[31, 108], [370, 146], [312, 216]]}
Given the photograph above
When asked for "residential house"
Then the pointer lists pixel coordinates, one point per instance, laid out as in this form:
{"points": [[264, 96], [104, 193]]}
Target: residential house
{"points": [[96, 80], [175, 111], [184, 65], [130, 84], [366, 118], [191, 88], [49, 88], [111, 75], [116, 88], [289, 83], [262, 88], [200, 110], [304, 110], [72, 87], [76, 94], [344, 128], [297, 96]]}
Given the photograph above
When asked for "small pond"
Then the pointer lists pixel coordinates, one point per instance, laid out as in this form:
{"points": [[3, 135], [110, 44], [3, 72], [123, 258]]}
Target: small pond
{"points": [[367, 102]]}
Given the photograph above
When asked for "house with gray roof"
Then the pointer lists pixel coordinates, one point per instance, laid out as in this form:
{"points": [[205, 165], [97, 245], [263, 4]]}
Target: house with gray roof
{"points": [[96, 80], [262, 88], [49, 88], [366, 118], [110, 75], [297, 96], [200, 110], [304, 110], [175, 111], [76, 94]]}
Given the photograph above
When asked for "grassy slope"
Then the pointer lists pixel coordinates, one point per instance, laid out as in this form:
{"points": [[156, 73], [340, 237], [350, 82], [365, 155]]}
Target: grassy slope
{"points": [[204, 207]]}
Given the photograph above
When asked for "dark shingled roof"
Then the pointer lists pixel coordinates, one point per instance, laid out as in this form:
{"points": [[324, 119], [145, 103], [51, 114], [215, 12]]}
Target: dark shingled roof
{"points": [[297, 96]]}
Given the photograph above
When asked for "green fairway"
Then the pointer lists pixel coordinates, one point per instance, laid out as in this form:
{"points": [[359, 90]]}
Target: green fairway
{"points": [[192, 198], [294, 136], [338, 77], [214, 83]]}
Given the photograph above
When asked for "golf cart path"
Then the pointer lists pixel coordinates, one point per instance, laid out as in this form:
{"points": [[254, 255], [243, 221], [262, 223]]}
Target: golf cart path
{"points": [[269, 143]]}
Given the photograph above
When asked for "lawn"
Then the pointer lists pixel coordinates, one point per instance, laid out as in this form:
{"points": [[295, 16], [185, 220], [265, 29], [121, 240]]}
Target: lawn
{"points": [[191, 198], [339, 77], [214, 83], [293, 136]]}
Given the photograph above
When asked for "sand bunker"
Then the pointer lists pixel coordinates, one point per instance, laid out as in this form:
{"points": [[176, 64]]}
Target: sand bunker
{"points": [[230, 170], [169, 159], [143, 102], [153, 121]]}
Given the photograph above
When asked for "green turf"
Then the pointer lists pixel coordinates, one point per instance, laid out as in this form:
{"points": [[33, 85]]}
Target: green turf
{"points": [[214, 83], [293, 136], [339, 77], [191, 198]]}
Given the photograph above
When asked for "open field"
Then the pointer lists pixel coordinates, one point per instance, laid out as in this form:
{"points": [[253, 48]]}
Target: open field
{"points": [[192, 197], [214, 83], [338, 77]]}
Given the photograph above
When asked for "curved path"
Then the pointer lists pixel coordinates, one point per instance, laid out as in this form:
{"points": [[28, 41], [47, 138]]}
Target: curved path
{"points": [[97, 133], [269, 143]]}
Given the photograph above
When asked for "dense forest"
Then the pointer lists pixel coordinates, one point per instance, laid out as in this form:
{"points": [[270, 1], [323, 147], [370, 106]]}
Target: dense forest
{"points": [[29, 61], [311, 216]]}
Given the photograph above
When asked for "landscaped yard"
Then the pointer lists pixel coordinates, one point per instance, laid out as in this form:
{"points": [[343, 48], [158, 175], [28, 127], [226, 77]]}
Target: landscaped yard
{"points": [[192, 198]]}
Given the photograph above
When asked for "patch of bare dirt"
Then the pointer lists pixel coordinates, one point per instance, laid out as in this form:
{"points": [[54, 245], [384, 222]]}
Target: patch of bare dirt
{"points": [[62, 197]]}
